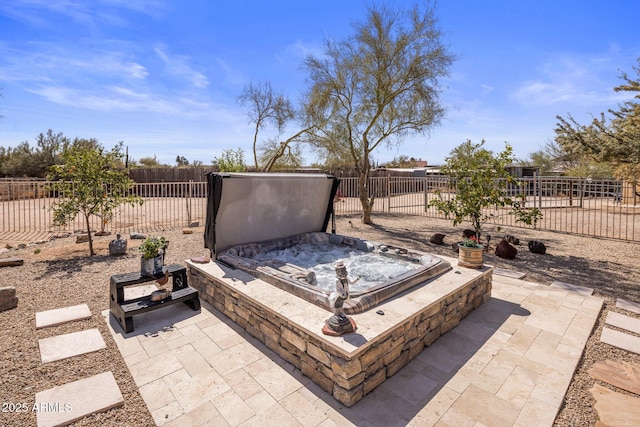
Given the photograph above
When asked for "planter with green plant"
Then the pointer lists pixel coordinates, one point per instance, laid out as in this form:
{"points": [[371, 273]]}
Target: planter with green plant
{"points": [[152, 250], [477, 188]]}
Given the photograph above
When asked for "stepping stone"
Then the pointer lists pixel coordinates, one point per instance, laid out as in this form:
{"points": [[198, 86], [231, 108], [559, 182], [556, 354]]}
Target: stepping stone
{"points": [[59, 316], [70, 402], [620, 340], [623, 375], [634, 307], [68, 345], [508, 273], [615, 409], [621, 321], [11, 262], [583, 290]]}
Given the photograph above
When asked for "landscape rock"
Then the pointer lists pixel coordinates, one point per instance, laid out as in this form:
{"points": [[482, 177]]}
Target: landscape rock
{"points": [[138, 236], [82, 238], [469, 233], [537, 247], [505, 250], [455, 247], [512, 239], [8, 299], [437, 239]]}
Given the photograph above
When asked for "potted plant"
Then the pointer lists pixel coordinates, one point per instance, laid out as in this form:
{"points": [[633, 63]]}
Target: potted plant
{"points": [[470, 253], [478, 185], [152, 250]]}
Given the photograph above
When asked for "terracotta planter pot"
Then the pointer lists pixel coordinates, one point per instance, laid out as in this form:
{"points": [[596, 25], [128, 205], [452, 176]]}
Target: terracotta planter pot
{"points": [[470, 256]]}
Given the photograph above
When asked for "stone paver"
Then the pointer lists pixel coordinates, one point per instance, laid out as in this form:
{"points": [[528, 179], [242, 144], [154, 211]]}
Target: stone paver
{"points": [[624, 304], [70, 402], [624, 375], [620, 340], [509, 362], [68, 345], [509, 273], [615, 409], [621, 321], [59, 316], [571, 287]]}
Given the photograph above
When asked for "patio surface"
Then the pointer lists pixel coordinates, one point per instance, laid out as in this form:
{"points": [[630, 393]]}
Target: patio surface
{"points": [[508, 363]]}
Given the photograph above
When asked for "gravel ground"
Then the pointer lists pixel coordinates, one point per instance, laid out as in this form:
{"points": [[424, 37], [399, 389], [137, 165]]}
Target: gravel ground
{"points": [[60, 273]]}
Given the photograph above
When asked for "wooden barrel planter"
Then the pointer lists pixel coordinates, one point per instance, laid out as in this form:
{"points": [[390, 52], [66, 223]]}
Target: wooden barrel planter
{"points": [[470, 256]]}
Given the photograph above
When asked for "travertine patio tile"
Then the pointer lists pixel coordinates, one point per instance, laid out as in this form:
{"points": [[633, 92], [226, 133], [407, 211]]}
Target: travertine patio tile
{"points": [[233, 358], [192, 361], [193, 391], [276, 415], [59, 316], [154, 368], [206, 347], [134, 358], [455, 418], [232, 408], [412, 386], [536, 413], [197, 417], [514, 391], [303, 410], [223, 335], [155, 346], [509, 273], [631, 306], [552, 320], [169, 412], [156, 394], [260, 401], [68, 345], [273, 378], [486, 407], [435, 408], [78, 399], [582, 290], [243, 383], [620, 340], [623, 322]]}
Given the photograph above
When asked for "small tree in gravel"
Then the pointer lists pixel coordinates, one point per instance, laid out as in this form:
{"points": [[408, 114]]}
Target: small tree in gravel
{"points": [[480, 181], [90, 181]]}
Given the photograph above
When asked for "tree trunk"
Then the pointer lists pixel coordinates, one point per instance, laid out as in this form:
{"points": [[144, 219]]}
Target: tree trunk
{"points": [[365, 200], [86, 219]]}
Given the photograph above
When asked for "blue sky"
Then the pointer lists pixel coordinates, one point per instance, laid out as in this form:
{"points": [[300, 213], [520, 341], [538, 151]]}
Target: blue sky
{"points": [[163, 75]]}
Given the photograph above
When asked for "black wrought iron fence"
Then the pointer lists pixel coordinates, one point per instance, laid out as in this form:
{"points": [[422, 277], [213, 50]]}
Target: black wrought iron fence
{"points": [[26, 209], [601, 208]]}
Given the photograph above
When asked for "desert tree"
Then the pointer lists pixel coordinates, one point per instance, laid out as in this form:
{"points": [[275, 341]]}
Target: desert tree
{"points": [[376, 87], [612, 138], [267, 107], [90, 181]]}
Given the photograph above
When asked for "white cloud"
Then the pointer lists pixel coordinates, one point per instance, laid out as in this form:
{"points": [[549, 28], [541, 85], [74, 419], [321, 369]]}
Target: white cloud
{"points": [[586, 80], [177, 65]]}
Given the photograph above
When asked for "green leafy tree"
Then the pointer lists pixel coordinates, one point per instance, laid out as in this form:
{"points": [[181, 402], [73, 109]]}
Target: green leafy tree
{"points": [[376, 87], [231, 161], [480, 179], [90, 183], [613, 139]]}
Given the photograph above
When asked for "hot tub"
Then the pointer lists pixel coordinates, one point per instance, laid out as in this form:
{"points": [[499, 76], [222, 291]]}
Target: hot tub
{"points": [[303, 265]]}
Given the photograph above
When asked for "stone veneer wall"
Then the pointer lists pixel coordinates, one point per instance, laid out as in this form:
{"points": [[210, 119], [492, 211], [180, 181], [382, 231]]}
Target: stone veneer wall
{"points": [[347, 377]]}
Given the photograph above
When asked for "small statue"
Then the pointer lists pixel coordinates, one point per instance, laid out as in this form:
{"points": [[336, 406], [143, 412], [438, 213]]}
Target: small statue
{"points": [[340, 323]]}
